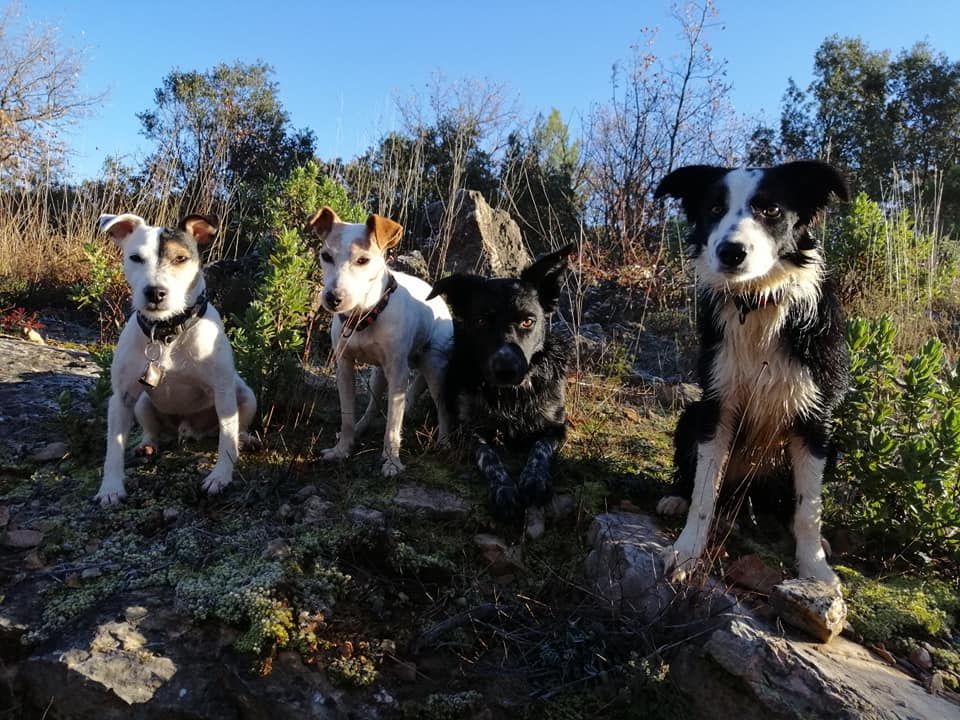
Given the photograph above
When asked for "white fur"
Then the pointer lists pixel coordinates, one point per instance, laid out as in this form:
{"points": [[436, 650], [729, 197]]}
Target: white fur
{"points": [[410, 331], [200, 390]]}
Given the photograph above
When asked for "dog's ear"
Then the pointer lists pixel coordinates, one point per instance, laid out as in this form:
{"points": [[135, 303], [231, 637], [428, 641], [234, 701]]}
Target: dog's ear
{"points": [[321, 222], [119, 227], [457, 290], [545, 274], [386, 233], [689, 184], [812, 182], [203, 228]]}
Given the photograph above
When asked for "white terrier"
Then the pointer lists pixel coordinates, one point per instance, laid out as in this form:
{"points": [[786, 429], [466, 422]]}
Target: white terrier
{"points": [[382, 318], [173, 366]]}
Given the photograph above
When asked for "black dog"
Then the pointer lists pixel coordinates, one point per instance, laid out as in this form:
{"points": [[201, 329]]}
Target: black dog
{"points": [[773, 361], [505, 381]]}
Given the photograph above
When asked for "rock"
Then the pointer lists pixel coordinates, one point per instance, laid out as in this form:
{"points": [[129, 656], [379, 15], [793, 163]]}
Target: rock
{"points": [[535, 523], [920, 657], [21, 538], [90, 573], [305, 492], [502, 559], [746, 671], [317, 511], [170, 514], [678, 395], [560, 507], [285, 511], [34, 560], [412, 263], [810, 605], [33, 336], [481, 240], [406, 671], [369, 517], [4, 516], [430, 502], [624, 563], [50, 452], [751, 572], [277, 549]]}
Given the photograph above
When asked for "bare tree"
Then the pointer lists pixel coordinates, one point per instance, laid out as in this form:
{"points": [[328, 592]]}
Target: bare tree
{"points": [[39, 97]]}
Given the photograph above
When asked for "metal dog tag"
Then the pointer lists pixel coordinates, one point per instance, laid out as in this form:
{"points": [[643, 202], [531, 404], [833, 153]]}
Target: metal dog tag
{"points": [[152, 375]]}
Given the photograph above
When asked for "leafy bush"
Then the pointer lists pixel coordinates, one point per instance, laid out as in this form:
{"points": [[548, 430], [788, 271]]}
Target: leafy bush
{"points": [[269, 339], [898, 429], [104, 290]]}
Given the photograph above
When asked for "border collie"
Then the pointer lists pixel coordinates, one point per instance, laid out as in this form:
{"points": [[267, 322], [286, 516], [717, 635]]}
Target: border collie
{"points": [[773, 361], [506, 376]]}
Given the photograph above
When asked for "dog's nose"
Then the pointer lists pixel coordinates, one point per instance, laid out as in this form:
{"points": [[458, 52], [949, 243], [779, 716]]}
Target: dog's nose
{"points": [[155, 294], [508, 365], [731, 254], [333, 299]]}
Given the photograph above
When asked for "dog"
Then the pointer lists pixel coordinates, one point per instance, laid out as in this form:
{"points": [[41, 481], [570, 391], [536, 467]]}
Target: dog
{"points": [[773, 362], [383, 318], [173, 366], [507, 375]]}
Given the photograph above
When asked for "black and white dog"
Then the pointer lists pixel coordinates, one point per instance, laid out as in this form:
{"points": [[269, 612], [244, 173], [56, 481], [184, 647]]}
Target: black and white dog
{"points": [[505, 381], [773, 360]]}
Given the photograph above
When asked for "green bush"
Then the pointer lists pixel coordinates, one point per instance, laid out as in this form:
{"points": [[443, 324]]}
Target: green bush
{"points": [[269, 339], [898, 430], [104, 290]]}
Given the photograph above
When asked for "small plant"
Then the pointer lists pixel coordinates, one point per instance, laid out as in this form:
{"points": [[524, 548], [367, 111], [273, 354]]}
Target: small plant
{"points": [[898, 429], [104, 290], [19, 321]]}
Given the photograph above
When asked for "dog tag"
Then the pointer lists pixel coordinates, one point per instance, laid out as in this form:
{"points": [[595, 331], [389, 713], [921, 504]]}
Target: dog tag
{"points": [[152, 375]]}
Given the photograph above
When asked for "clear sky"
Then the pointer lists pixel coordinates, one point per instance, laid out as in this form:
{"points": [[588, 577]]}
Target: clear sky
{"points": [[340, 65]]}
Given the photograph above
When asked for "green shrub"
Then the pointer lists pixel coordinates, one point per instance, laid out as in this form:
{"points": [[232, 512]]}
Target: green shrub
{"points": [[898, 430], [104, 290]]}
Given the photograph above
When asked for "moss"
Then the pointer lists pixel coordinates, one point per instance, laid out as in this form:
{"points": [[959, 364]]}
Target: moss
{"points": [[445, 706], [881, 610]]}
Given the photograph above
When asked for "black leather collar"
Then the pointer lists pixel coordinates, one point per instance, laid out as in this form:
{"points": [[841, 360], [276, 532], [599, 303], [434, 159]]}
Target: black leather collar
{"points": [[166, 331], [357, 322]]}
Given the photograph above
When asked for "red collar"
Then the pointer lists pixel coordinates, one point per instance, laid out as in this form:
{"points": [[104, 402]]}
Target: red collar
{"points": [[357, 322]]}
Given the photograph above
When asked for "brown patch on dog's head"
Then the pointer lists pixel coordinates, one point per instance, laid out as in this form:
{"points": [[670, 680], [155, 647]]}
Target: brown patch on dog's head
{"points": [[386, 233], [321, 222], [203, 228]]}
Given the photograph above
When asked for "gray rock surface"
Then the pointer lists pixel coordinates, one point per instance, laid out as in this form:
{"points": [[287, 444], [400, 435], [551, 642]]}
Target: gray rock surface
{"points": [[470, 236], [814, 607], [430, 502]]}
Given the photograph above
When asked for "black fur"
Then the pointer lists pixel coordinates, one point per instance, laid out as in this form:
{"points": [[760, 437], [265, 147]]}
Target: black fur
{"points": [[505, 382]]}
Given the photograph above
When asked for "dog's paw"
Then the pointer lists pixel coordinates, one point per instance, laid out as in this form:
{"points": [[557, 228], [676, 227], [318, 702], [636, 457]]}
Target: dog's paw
{"points": [[672, 506], [392, 467], [110, 494], [504, 502], [535, 488], [148, 449], [337, 452], [216, 481], [681, 560], [818, 569]]}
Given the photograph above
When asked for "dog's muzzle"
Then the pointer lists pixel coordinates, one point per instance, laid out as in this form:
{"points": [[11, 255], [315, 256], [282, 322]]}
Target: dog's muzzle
{"points": [[154, 294], [731, 255], [508, 366], [332, 300]]}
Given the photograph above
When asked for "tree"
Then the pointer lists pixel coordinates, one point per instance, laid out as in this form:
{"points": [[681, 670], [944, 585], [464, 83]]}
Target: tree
{"points": [[762, 147], [220, 135], [39, 97]]}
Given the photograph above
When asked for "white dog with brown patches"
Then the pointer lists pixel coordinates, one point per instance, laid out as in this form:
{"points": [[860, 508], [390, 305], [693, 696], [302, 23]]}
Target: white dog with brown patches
{"points": [[173, 367], [382, 318]]}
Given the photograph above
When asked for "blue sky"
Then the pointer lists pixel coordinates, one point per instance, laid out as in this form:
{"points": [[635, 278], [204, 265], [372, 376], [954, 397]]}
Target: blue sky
{"points": [[340, 65]]}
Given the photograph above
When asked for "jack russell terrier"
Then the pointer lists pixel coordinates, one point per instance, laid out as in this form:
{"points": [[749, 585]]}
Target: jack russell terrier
{"points": [[173, 367], [382, 318]]}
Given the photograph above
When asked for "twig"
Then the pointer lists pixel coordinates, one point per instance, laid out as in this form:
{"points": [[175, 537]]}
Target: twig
{"points": [[484, 612]]}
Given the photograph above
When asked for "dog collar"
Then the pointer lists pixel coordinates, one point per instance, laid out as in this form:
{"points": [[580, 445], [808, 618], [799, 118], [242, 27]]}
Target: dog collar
{"points": [[746, 304], [358, 322], [166, 330]]}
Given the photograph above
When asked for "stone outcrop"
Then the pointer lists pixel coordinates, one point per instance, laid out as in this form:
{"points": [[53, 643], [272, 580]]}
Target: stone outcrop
{"points": [[470, 236]]}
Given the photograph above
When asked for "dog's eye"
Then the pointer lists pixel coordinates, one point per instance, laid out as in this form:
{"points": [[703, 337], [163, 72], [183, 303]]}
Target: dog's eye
{"points": [[527, 323], [363, 260], [482, 321], [772, 211], [136, 259], [180, 259], [326, 257], [717, 210]]}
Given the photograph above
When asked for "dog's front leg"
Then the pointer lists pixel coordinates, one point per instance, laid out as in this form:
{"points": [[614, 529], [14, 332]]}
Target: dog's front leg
{"points": [[535, 486], [397, 377], [347, 393], [119, 421], [225, 401], [808, 458], [502, 491], [682, 558]]}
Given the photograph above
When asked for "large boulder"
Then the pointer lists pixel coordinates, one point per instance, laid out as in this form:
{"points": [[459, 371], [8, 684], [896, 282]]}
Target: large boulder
{"points": [[470, 236]]}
